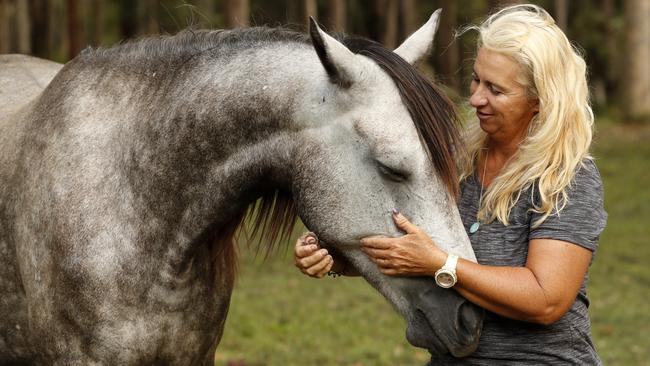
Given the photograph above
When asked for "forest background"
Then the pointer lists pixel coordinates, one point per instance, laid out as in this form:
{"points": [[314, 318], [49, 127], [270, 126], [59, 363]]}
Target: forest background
{"points": [[279, 317]]}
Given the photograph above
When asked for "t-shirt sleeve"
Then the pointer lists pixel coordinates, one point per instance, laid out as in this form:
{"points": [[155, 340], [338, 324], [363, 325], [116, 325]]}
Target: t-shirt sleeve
{"points": [[583, 217]]}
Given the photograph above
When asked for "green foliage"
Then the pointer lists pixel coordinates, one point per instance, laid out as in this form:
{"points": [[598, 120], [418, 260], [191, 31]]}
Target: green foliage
{"points": [[280, 317]]}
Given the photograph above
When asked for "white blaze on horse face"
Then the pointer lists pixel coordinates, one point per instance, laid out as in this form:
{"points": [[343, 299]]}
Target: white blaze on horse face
{"points": [[419, 44]]}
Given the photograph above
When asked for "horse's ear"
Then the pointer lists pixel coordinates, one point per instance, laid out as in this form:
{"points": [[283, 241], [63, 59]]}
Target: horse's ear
{"points": [[339, 62], [419, 44]]}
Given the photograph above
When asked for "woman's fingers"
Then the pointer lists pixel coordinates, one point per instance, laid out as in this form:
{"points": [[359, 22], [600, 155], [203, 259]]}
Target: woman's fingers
{"points": [[312, 260], [377, 242], [306, 245], [404, 224], [320, 268], [302, 251], [377, 253]]}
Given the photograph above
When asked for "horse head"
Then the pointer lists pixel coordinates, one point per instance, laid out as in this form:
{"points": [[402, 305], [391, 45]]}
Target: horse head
{"points": [[379, 137]]}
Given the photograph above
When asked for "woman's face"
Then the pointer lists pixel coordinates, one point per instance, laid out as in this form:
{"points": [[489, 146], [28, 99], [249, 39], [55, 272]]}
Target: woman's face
{"points": [[502, 105]]}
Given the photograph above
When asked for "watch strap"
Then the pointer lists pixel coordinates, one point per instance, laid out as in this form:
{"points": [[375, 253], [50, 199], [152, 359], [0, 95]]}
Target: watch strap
{"points": [[451, 262]]}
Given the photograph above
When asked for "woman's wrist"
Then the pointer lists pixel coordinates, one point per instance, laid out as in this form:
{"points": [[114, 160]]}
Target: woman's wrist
{"points": [[438, 261]]}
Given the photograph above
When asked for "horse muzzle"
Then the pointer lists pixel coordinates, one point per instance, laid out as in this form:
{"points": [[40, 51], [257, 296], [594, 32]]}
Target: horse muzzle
{"points": [[444, 322]]}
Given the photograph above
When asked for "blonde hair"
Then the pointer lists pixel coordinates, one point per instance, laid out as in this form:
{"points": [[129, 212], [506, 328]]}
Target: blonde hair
{"points": [[559, 136]]}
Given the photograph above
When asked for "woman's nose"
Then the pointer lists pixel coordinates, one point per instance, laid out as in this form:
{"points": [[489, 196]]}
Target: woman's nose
{"points": [[477, 99]]}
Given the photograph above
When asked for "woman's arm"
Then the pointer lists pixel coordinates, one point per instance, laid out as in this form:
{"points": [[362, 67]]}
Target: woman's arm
{"points": [[542, 291]]}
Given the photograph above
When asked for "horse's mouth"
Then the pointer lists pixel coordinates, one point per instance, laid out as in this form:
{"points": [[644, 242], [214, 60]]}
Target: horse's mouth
{"points": [[438, 342], [424, 338]]}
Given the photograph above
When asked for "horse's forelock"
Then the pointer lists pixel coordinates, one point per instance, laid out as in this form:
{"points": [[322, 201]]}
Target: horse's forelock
{"points": [[435, 116]]}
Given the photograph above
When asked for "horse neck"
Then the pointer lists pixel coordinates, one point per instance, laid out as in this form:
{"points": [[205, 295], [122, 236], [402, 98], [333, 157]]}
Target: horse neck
{"points": [[220, 136]]}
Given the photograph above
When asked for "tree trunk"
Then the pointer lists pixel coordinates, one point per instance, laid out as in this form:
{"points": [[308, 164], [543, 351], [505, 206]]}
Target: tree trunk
{"points": [[237, 13], [205, 13], [5, 27], [57, 38], [74, 30], [562, 14], [128, 18], [293, 13], [386, 13], [38, 12], [148, 17], [310, 9], [637, 81], [97, 16], [23, 27], [336, 15], [449, 59], [408, 18]]}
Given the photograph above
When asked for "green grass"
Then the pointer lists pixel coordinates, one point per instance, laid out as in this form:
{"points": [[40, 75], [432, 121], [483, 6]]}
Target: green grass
{"points": [[280, 317], [619, 287]]}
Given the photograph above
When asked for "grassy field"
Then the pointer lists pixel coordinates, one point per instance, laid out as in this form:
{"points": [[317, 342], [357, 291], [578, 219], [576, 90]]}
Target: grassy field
{"points": [[280, 317]]}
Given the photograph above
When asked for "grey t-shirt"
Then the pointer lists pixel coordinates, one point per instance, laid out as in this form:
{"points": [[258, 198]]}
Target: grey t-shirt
{"points": [[510, 342]]}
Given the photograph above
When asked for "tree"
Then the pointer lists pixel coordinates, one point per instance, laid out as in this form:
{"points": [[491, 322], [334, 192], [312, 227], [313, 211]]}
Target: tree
{"points": [[408, 18], [205, 11], [496, 4], [97, 29], [74, 29], [386, 14], [237, 13], [57, 39], [561, 13], [336, 15], [5, 36], [310, 9], [637, 78], [448, 50], [148, 17]]}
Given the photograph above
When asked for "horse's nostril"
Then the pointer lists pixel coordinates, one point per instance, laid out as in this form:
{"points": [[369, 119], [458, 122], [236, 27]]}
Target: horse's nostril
{"points": [[470, 322], [471, 319]]}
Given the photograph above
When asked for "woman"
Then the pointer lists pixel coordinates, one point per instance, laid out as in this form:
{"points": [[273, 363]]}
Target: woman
{"points": [[531, 201]]}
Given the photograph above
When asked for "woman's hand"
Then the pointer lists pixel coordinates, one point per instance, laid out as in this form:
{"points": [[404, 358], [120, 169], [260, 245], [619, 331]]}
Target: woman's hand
{"points": [[310, 258], [414, 254]]}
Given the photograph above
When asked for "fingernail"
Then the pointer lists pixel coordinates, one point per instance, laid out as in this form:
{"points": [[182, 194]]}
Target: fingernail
{"points": [[323, 251], [395, 211]]}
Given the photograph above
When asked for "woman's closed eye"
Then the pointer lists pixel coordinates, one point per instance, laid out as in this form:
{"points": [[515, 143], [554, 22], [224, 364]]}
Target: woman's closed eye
{"points": [[494, 90]]}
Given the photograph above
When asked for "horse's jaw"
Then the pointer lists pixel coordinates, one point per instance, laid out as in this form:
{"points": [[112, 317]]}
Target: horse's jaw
{"points": [[438, 319]]}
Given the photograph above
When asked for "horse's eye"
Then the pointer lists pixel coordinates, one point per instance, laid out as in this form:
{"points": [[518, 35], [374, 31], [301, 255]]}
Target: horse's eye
{"points": [[391, 174]]}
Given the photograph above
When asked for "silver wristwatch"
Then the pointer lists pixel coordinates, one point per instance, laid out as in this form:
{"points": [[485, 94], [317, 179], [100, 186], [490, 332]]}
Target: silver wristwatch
{"points": [[446, 276]]}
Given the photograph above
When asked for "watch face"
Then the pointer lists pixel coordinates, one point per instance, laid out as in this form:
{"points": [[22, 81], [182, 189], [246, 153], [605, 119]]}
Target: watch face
{"points": [[445, 279]]}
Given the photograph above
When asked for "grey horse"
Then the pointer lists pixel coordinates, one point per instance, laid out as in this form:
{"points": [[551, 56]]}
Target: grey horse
{"points": [[124, 179]]}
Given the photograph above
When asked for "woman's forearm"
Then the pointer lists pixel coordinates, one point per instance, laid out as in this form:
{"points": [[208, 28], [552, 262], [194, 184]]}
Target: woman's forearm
{"points": [[541, 292], [513, 292]]}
